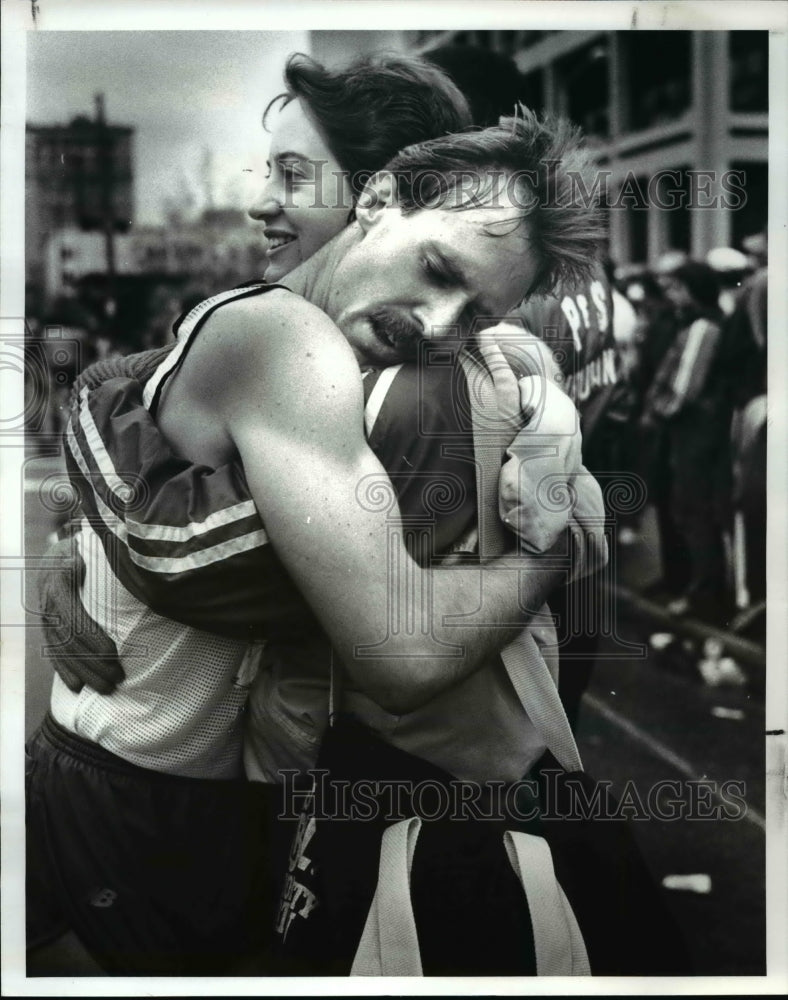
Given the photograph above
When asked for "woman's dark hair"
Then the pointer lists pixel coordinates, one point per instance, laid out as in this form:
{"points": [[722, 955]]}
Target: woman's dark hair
{"points": [[371, 109]]}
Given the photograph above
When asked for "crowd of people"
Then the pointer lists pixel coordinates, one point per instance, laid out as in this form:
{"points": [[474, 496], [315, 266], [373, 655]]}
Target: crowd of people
{"points": [[695, 352], [248, 585]]}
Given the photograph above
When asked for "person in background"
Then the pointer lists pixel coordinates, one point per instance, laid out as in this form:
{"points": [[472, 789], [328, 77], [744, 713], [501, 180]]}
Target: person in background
{"points": [[691, 400], [747, 347], [732, 268], [625, 324], [756, 246], [656, 332]]}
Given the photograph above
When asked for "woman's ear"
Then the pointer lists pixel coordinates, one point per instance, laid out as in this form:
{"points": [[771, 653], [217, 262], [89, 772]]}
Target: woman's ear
{"points": [[379, 193]]}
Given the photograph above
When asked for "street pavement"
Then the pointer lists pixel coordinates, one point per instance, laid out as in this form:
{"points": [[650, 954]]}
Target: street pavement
{"points": [[642, 722], [649, 720]]}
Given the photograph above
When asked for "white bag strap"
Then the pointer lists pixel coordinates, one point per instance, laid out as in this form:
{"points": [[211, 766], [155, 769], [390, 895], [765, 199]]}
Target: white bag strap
{"points": [[389, 944], [538, 695], [558, 942], [524, 663]]}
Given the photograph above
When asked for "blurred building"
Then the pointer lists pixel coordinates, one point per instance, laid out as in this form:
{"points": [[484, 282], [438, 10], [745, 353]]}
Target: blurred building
{"points": [[70, 254], [669, 115], [78, 177], [217, 250]]}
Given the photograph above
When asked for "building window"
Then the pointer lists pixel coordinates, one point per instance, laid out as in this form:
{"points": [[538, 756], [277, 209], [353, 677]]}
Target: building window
{"points": [[751, 217], [635, 201], [660, 76], [749, 72], [533, 90], [676, 193], [583, 79]]}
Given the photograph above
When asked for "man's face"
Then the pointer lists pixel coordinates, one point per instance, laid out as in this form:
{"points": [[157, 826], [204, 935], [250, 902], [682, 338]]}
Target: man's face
{"points": [[306, 199], [429, 275]]}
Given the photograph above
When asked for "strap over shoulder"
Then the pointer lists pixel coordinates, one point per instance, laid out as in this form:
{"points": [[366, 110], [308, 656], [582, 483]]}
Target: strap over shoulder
{"points": [[524, 663]]}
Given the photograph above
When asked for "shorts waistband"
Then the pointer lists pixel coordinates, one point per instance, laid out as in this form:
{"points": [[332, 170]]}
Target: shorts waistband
{"points": [[88, 752]]}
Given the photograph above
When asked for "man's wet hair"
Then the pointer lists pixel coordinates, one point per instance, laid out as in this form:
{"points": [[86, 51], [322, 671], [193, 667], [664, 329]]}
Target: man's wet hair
{"points": [[367, 111], [547, 173]]}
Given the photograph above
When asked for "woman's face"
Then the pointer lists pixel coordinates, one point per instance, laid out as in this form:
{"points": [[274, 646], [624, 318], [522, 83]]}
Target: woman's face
{"points": [[306, 198]]}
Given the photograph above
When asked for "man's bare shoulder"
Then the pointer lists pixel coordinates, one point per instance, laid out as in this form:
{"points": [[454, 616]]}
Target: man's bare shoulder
{"points": [[252, 353], [266, 335], [263, 316]]}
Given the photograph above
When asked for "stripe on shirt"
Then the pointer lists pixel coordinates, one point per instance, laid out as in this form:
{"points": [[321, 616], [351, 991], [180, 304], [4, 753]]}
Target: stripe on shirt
{"points": [[176, 533], [186, 329], [85, 451], [103, 462]]}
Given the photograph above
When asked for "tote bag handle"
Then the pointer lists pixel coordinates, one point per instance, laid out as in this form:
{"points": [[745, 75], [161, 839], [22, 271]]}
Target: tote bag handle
{"points": [[524, 663]]}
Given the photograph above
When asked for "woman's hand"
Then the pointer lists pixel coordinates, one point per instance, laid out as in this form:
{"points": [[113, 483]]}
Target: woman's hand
{"points": [[544, 487]]}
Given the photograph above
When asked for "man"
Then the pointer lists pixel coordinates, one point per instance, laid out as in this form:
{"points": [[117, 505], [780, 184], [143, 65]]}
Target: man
{"points": [[400, 276]]}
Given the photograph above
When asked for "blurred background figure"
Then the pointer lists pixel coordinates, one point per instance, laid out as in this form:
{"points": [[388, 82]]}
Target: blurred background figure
{"points": [[650, 456], [746, 331], [72, 333], [731, 267], [691, 402]]}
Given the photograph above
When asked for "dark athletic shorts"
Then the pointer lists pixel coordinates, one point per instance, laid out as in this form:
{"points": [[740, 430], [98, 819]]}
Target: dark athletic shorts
{"points": [[156, 874]]}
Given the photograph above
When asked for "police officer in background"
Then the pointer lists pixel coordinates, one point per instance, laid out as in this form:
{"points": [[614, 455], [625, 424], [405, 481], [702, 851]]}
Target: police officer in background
{"points": [[578, 324]]}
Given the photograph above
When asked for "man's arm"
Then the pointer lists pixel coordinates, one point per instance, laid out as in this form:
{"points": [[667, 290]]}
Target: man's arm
{"points": [[288, 393]]}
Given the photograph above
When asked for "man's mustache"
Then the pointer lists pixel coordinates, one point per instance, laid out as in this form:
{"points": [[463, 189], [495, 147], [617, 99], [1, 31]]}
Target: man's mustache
{"points": [[404, 333]]}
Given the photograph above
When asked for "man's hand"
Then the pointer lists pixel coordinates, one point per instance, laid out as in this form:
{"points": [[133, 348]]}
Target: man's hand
{"points": [[81, 653]]}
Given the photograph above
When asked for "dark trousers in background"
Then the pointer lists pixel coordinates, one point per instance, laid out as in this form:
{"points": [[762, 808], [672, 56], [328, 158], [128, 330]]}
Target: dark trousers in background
{"points": [[657, 471], [700, 465]]}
